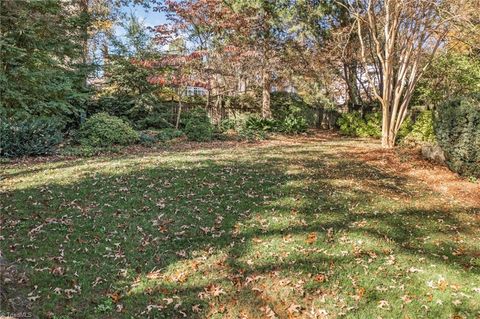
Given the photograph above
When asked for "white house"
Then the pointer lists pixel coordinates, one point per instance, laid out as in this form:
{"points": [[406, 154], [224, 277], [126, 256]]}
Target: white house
{"points": [[196, 91]]}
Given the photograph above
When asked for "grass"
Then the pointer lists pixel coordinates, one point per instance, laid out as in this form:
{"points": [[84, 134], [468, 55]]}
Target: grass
{"points": [[279, 230]]}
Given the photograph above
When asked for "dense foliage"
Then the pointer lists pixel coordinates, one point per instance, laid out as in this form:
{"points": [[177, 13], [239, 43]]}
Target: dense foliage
{"points": [[256, 123], [451, 74], [457, 130], [418, 129], [168, 134], [349, 123], [197, 125], [290, 115], [35, 136], [247, 126], [422, 128], [105, 130], [180, 232], [293, 113], [42, 73], [145, 111], [127, 93], [152, 113], [353, 124], [405, 129]]}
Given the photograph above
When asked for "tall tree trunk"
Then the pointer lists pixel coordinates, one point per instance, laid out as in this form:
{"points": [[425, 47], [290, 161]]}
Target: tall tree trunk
{"points": [[207, 104], [266, 111], [85, 18], [320, 113], [350, 74], [177, 122], [216, 112], [391, 122], [402, 42], [386, 132], [106, 58]]}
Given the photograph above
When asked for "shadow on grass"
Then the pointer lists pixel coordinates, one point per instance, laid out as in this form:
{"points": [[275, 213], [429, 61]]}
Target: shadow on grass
{"points": [[196, 231]]}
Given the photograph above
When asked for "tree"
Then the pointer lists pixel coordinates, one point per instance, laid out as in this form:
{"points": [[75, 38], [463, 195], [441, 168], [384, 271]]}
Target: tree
{"points": [[451, 74], [123, 75], [326, 51], [98, 20], [260, 29], [41, 73], [398, 40], [197, 53], [125, 89], [246, 36]]}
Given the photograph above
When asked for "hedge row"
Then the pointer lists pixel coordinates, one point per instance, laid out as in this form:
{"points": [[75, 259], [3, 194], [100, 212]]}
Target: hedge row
{"points": [[457, 131]]}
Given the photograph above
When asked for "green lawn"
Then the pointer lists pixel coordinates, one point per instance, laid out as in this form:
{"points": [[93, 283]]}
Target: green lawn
{"points": [[283, 229]]}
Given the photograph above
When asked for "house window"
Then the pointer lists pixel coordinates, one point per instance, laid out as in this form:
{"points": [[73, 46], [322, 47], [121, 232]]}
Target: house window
{"points": [[193, 90]]}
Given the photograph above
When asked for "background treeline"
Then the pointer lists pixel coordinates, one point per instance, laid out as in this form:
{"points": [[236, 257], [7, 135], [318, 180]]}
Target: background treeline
{"points": [[89, 76]]}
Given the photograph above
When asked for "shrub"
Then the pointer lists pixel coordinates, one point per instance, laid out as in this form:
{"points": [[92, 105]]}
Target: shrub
{"points": [[294, 124], [372, 127], [147, 139], [235, 123], [197, 125], [349, 123], [144, 111], [256, 123], [104, 130], [111, 104], [291, 114], [152, 113], [422, 129], [153, 121], [353, 124], [251, 135], [284, 104], [291, 124], [228, 124], [35, 136], [250, 127], [457, 131], [168, 134], [405, 129]]}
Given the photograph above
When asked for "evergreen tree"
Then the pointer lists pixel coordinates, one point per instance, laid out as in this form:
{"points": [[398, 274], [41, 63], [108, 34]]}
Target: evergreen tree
{"points": [[41, 58]]}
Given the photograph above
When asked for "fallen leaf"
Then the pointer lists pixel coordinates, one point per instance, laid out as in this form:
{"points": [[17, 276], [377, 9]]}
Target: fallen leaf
{"points": [[119, 308], [115, 296], [269, 312], [312, 237], [196, 308], [294, 309], [383, 304], [320, 278]]}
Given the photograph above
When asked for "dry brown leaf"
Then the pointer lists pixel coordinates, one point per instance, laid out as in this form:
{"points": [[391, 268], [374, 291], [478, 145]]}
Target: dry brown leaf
{"points": [[294, 309], [312, 237]]}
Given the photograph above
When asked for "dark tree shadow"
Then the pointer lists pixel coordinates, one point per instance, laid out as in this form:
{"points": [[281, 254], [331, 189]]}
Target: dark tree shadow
{"points": [[140, 231]]}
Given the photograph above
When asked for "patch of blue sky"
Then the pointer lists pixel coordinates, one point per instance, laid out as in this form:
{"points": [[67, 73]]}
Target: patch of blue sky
{"points": [[147, 16]]}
